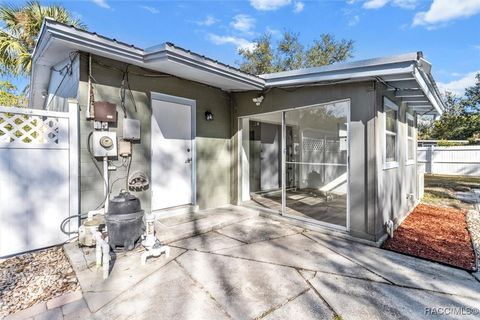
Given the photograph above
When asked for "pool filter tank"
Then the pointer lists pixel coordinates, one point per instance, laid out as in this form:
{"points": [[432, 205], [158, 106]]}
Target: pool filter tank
{"points": [[124, 221]]}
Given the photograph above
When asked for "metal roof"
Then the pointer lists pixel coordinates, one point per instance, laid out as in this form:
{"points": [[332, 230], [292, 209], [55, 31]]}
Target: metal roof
{"points": [[408, 75]]}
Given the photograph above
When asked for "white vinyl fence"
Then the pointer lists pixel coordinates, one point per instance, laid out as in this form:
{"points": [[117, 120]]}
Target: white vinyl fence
{"points": [[38, 176], [462, 160]]}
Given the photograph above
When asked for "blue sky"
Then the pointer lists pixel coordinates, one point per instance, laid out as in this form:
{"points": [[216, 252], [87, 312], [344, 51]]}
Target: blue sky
{"points": [[447, 31]]}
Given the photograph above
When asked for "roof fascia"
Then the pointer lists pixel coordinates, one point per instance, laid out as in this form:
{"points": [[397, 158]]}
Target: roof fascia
{"points": [[343, 74], [429, 90]]}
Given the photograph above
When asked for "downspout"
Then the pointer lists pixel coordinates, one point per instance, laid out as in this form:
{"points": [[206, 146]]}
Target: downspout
{"points": [[89, 112], [234, 174], [375, 178]]}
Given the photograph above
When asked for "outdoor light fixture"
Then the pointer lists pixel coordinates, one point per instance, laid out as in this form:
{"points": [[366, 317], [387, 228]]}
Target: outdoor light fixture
{"points": [[208, 116], [258, 100]]}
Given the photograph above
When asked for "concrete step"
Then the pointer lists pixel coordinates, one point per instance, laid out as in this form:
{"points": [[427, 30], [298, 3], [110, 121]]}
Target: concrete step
{"points": [[173, 228], [169, 212]]}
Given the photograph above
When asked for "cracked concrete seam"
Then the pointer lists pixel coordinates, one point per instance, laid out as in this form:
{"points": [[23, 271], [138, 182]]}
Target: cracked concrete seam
{"points": [[335, 312], [201, 286]]}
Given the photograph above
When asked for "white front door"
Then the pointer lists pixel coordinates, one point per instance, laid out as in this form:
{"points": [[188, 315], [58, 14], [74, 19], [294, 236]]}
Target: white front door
{"points": [[172, 151]]}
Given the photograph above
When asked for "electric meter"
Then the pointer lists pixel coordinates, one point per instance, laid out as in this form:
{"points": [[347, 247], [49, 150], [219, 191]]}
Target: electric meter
{"points": [[104, 144]]}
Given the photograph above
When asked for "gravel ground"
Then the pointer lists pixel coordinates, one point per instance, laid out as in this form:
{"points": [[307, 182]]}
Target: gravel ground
{"points": [[473, 222], [34, 277]]}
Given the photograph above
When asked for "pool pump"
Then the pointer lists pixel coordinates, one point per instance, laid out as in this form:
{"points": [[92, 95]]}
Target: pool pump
{"points": [[124, 220]]}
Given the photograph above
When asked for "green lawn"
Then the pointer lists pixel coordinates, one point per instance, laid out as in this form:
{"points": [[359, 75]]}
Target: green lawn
{"points": [[440, 190]]}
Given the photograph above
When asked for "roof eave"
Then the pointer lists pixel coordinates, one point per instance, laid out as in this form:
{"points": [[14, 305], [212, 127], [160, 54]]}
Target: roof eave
{"points": [[356, 74]]}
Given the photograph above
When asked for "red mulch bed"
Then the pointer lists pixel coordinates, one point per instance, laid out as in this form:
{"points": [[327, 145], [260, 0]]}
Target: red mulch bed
{"points": [[435, 233]]}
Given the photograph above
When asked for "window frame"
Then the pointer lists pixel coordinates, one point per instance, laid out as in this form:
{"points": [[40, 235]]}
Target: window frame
{"points": [[389, 104], [409, 161]]}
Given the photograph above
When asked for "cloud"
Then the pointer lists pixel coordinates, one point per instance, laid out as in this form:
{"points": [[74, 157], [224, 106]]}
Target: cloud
{"points": [[269, 5], [298, 7], [405, 4], [377, 4], [442, 11], [239, 43], [102, 3], [354, 20], [150, 9], [208, 21], [274, 32], [243, 23], [458, 86]]}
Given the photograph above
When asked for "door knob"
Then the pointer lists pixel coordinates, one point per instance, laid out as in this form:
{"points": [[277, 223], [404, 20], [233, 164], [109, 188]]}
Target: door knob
{"points": [[188, 149]]}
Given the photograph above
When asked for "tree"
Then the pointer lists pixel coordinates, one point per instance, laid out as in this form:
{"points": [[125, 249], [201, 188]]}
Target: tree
{"points": [[9, 95], [290, 54], [20, 28], [461, 118]]}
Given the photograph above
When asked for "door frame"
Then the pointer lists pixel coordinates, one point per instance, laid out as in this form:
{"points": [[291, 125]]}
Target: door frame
{"points": [[240, 167], [193, 107]]}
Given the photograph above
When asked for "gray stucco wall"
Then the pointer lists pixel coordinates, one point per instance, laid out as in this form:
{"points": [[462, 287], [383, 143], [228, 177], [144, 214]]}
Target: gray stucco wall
{"points": [[394, 184], [362, 139], [212, 138], [376, 195]]}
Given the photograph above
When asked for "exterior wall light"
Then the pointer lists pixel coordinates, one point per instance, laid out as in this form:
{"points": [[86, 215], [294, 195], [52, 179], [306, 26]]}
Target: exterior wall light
{"points": [[258, 100], [208, 116]]}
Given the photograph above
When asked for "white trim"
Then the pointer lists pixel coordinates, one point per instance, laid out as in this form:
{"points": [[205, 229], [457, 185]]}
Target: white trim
{"points": [[387, 103], [409, 162], [74, 158], [193, 105], [429, 90]]}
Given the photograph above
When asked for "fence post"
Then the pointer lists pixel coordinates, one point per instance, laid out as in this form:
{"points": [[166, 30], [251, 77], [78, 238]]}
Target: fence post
{"points": [[429, 159], [73, 130]]}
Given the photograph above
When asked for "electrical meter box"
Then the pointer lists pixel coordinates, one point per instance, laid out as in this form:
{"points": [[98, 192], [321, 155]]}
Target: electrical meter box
{"points": [[104, 144], [131, 129], [105, 112]]}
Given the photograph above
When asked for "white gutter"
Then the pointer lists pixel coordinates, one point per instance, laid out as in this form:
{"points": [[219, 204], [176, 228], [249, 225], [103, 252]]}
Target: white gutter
{"points": [[428, 90]]}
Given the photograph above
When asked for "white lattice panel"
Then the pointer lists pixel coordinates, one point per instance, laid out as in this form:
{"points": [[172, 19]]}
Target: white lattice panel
{"points": [[319, 145], [312, 144], [21, 128]]}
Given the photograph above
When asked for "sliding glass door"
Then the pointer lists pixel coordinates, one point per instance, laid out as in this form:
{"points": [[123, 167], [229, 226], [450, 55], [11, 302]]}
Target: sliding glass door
{"points": [[298, 162]]}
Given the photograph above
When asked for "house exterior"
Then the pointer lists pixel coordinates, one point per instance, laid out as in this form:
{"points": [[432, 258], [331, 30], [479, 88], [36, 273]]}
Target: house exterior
{"points": [[333, 146]]}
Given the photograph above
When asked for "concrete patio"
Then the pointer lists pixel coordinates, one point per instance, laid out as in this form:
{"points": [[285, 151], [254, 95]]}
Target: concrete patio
{"points": [[250, 267]]}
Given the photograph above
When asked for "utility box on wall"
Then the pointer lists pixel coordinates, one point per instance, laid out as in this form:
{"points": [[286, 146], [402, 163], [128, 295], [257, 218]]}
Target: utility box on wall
{"points": [[105, 112], [131, 129]]}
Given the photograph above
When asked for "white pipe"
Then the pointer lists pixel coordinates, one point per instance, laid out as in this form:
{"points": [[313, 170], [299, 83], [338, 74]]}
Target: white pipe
{"points": [[106, 259], [102, 250], [106, 184], [156, 251]]}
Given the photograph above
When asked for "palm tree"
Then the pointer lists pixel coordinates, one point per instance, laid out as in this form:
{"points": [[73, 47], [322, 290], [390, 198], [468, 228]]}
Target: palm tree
{"points": [[20, 26]]}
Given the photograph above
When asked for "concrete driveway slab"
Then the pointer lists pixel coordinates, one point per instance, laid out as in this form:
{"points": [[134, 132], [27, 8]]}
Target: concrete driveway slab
{"points": [[307, 306], [258, 229], [207, 242], [127, 271], [359, 299], [245, 289], [167, 294], [300, 252], [404, 270]]}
